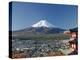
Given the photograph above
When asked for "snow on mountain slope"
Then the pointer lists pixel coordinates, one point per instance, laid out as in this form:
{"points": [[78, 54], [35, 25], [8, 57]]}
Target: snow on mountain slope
{"points": [[43, 23]]}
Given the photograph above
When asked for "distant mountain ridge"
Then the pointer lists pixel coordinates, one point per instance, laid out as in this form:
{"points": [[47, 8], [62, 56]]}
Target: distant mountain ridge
{"points": [[41, 30], [41, 27]]}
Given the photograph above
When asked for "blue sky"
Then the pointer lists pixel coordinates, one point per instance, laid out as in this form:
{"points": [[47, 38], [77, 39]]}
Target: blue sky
{"points": [[25, 14]]}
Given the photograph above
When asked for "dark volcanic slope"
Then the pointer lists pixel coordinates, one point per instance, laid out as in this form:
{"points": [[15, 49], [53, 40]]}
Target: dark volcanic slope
{"points": [[38, 30]]}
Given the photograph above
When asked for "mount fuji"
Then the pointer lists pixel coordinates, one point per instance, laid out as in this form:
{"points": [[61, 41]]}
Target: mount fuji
{"points": [[41, 27], [43, 23]]}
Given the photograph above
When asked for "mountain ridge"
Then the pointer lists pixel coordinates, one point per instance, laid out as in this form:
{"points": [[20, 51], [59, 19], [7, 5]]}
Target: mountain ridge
{"points": [[41, 27]]}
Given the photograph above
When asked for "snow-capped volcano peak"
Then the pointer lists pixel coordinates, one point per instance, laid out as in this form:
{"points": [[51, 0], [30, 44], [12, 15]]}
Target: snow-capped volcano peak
{"points": [[42, 23]]}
